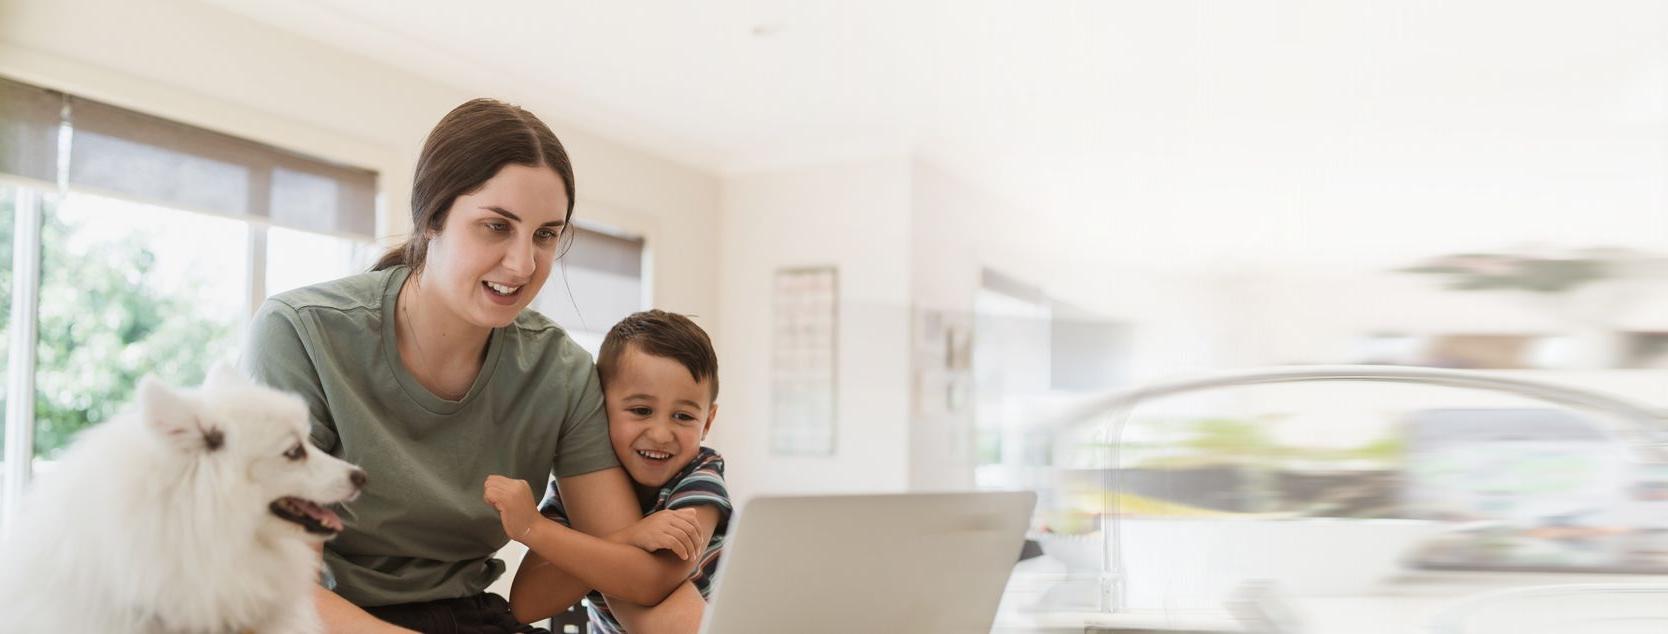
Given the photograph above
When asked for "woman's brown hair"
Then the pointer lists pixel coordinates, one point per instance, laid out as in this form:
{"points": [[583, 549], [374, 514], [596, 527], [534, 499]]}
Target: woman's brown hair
{"points": [[469, 145]]}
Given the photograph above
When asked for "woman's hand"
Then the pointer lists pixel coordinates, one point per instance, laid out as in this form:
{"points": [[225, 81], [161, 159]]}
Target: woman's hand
{"points": [[514, 501], [666, 530]]}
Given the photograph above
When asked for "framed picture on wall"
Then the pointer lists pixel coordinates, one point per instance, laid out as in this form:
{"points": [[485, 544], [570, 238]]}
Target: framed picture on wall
{"points": [[805, 310]]}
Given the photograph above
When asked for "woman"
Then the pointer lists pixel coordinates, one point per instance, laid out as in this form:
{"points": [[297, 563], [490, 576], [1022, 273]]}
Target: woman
{"points": [[429, 373]]}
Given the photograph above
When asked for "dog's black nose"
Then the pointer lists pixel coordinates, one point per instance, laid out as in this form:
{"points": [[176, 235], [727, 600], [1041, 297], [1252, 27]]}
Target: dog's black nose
{"points": [[358, 477]]}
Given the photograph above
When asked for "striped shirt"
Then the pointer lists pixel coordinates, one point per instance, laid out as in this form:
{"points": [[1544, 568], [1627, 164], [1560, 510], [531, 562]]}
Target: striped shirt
{"points": [[701, 482]]}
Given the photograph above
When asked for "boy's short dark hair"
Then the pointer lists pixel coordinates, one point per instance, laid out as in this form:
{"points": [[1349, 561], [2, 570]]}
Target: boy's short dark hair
{"points": [[661, 334]]}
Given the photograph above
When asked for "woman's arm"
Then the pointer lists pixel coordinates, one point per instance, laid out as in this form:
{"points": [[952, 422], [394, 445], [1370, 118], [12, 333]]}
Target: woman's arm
{"points": [[342, 617], [605, 506], [541, 590], [680, 613], [614, 569]]}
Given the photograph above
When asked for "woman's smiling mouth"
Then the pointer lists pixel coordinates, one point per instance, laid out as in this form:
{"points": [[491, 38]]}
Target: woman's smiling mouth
{"points": [[503, 290]]}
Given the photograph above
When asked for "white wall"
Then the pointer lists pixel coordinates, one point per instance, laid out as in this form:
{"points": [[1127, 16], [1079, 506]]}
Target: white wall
{"points": [[211, 68], [961, 228], [1318, 316], [854, 216], [954, 223], [906, 235]]}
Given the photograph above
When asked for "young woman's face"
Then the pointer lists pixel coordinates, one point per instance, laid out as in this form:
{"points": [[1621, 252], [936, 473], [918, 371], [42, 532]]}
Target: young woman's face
{"points": [[496, 247]]}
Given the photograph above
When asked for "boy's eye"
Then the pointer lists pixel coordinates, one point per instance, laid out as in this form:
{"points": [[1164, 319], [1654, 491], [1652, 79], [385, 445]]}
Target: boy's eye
{"points": [[684, 417], [640, 411]]}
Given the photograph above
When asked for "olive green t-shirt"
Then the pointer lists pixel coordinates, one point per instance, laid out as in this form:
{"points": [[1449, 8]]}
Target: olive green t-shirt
{"points": [[420, 530]]}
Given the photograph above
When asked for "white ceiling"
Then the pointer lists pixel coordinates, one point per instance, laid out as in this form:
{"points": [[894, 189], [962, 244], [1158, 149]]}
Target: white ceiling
{"points": [[1300, 130]]}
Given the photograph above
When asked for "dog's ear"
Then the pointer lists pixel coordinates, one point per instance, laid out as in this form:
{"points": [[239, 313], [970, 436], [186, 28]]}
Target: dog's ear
{"points": [[172, 415], [224, 375]]}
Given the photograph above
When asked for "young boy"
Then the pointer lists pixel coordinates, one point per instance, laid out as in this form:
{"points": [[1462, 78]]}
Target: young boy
{"points": [[660, 380]]}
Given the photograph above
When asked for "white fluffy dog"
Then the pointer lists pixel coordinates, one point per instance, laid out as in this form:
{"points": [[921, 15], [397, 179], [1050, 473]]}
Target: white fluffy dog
{"points": [[198, 511]]}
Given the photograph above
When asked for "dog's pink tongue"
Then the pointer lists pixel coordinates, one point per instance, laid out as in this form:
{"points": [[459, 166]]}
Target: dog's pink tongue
{"points": [[328, 518]]}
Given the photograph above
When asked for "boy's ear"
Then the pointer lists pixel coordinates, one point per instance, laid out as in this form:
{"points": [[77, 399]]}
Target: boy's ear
{"points": [[712, 412]]}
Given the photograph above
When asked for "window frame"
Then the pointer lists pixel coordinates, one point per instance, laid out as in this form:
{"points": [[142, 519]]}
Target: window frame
{"points": [[32, 193]]}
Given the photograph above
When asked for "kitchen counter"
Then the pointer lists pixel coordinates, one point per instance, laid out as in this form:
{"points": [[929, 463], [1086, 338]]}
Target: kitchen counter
{"points": [[1404, 604]]}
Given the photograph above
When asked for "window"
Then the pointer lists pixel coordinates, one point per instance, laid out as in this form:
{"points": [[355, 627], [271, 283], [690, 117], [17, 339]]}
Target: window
{"points": [[597, 282], [126, 290], [155, 242], [8, 201], [1012, 358], [298, 258]]}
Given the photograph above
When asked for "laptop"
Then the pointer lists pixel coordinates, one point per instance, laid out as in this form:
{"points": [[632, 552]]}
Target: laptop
{"points": [[917, 562]]}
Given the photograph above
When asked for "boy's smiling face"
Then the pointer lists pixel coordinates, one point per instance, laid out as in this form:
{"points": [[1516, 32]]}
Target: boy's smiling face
{"points": [[657, 415]]}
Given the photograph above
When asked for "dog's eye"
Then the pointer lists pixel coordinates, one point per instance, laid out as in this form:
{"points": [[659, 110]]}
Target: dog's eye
{"points": [[296, 453]]}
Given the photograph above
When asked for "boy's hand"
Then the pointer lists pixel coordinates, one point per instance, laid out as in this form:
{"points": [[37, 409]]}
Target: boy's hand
{"points": [[667, 530], [514, 501]]}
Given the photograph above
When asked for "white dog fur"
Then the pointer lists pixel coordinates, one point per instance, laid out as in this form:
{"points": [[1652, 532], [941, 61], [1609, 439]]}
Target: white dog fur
{"points": [[165, 519]]}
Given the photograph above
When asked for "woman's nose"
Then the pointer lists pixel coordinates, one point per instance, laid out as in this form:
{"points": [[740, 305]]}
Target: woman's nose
{"points": [[519, 260]]}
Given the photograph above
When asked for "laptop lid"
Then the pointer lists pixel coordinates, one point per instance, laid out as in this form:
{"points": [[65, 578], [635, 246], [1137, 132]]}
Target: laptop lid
{"points": [[917, 562]]}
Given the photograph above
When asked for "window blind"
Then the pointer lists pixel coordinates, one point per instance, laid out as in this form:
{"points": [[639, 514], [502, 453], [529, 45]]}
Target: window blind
{"points": [[150, 159]]}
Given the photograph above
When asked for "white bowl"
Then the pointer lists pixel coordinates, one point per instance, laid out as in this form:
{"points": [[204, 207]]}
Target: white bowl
{"points": [[1079, 553]]}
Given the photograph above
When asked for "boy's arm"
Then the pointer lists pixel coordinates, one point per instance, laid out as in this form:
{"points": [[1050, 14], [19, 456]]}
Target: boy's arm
{"points": [[614, 569], [617, 570], [602, 502], [680, 611], [541, 590]]}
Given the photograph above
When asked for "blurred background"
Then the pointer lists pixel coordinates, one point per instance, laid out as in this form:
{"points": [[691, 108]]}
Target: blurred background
{"points": [[925, 234]]}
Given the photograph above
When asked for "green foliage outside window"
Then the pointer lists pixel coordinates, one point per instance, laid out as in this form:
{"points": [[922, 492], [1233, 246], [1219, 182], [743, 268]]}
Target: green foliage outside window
{"points": [[103, 324]]}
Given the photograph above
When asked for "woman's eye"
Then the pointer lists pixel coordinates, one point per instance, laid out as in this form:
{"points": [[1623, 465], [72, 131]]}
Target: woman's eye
{"points": [[296, 453], [545, 235], [498, 227]]}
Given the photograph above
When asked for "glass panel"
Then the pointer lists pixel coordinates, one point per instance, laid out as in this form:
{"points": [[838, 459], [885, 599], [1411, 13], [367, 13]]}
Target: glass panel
{"points": [[597, 282], [129, 289], [8, 203], [590, 341], [299, 258]]}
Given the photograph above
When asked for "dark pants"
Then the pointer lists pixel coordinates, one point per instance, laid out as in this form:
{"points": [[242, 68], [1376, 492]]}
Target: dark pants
{"points": [[480, 614]]}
